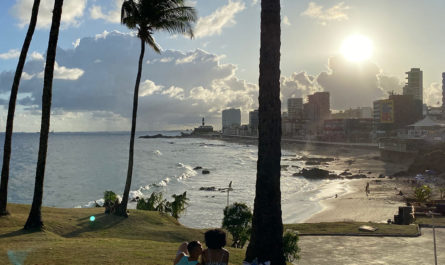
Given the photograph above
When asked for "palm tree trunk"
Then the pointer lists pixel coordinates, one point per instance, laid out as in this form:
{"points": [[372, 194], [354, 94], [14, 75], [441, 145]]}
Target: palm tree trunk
{"points": [[266, 242], [11, 109], [122, 209], [35, 217]]}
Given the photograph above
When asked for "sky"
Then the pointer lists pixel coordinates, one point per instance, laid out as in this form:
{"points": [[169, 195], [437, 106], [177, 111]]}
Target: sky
{"points": [[218, 69]]}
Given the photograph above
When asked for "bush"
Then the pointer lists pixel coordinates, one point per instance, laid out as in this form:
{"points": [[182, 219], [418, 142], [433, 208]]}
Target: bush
{"points": [[178, 206], [422, 193], [155, 202], [290, 246], [238, 221], [110, 201]]}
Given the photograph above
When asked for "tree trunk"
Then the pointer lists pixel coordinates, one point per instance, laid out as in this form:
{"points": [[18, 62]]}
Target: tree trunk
{"points": [[266, 241], [122, 209], [35, 217], [11, 109]]}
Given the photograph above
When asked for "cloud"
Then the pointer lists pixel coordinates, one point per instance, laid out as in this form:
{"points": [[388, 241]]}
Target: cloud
{"points": [[11, 54], [286, 21], [254, 2], [97, 77], [76, 43], [71, 14], [432, 95], [112, 16], [298, 85], [36, 56], [325, 15], [221, 18]]}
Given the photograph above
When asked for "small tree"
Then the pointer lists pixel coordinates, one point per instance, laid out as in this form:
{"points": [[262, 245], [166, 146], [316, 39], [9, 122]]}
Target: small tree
{"points": [[422, 193], [290, 246], [178, 206], [238, 221], [155, 202], [110, 201]]}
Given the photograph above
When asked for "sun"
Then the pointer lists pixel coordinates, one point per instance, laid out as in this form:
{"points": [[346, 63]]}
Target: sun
{"points": [[357, 48]]}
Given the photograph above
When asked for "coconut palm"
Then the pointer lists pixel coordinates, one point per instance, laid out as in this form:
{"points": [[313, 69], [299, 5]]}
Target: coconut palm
{"points": [[35, 217], [266, 241], [11, 109], [147, 17]]}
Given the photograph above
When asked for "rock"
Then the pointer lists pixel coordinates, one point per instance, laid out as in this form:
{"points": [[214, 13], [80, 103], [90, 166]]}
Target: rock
{"points": [[350, 161], [198, 167], [205, 171], [381, 176], [208, 188], [312, 163], [284, 167], [369, 172], [400, 174], [314, 173], [356, 176], [345, 173]]}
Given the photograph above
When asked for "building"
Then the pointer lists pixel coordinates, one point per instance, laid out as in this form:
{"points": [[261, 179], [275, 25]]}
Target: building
{"points": [[348, 130], [203, 129], [414, 88], [357, 113], [253, 122], [231, 120], [318, 106], [443, 95], [396, 112], [295, 108]]}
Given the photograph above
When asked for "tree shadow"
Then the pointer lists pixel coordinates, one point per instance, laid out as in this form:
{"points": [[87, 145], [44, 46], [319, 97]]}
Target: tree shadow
{"points": [[19, 233], [101, 222]]}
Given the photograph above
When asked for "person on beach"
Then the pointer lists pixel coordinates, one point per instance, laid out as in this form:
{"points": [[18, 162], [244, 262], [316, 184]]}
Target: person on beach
{"points": [[215, 254], [367, 189], [188, 253]]}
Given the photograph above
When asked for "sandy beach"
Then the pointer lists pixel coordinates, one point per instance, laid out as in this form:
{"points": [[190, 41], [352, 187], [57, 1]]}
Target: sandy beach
{"points": [[379, 206]]}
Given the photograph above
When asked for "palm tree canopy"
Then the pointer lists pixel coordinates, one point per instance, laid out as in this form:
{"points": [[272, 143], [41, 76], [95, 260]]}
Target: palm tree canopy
{"points": [[148, 16]]}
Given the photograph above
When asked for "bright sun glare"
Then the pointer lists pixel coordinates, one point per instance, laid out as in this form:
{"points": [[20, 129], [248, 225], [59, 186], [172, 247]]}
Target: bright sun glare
{"points": [[357, 48]]}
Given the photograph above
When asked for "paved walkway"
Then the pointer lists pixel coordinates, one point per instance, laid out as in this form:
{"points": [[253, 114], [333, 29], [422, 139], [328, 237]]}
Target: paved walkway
{"points": [[340, 250]]}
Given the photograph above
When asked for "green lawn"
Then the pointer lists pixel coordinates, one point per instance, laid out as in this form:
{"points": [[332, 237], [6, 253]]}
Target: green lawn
{"points": [[438, 220], [70, 238]]}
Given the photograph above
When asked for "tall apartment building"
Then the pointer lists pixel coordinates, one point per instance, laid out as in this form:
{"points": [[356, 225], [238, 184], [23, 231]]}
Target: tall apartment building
{"points": [[443, 95], [414, 87], [295, 108], [253, 122], [318, 106], [231, 118]]}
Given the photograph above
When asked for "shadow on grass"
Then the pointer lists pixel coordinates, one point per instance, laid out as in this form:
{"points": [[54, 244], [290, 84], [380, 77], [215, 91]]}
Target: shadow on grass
{"points": [[102, 222], [19, 233]]}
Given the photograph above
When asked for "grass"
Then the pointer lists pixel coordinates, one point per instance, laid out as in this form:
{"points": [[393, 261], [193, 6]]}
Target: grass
{"points": [[351, 228], [70, 238], [426, 220]]}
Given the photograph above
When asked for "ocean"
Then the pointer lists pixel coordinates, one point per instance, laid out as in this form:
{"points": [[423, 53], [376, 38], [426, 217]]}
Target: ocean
{"points": [[81, 166]]}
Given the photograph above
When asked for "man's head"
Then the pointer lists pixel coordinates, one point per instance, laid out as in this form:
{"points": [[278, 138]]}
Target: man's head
{"points": [[194, 248]]}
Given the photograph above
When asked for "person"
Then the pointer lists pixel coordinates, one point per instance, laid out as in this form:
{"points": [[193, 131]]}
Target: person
{"points": [[367, 189], [188, 253], [215, 254]]}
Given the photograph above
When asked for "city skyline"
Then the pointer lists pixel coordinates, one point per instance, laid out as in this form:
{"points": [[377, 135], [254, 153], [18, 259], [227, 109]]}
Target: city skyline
{"points": [[224, 53]]}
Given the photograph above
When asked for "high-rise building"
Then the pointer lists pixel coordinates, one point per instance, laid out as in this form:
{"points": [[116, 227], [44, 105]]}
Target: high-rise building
{"points": [[253, 121], [318, 106], [295, 108], [231, 118], [414, 87]]}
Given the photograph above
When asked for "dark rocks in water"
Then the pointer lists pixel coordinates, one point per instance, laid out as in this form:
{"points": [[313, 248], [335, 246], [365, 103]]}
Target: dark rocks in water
{"points": [[295, 166], [198, 167], [314, 160], [284, 167], [357, 176], [312, 163], [205, 171], [381, 176], [350, 161], [369, 172], [208, 188], [345, 173], [314, 173], [183, 135], [399, 174], [296, 174]]}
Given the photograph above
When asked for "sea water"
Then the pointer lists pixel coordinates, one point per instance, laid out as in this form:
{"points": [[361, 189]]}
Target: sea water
{"points": [[81, 166]]}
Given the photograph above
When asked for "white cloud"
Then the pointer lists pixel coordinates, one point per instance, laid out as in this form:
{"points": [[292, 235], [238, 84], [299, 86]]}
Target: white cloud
{"points": [[148, 88], [112, 16], [325, 15], [433, 95], [215, 22], [11, 54], [71, 14], [76, 43], [254, 2], [36, 56], [26, 76], [64, 73], [286, 21]]}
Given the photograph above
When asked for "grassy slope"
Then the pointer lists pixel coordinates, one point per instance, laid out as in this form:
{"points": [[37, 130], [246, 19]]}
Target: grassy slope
{"points": [[70, 238]]}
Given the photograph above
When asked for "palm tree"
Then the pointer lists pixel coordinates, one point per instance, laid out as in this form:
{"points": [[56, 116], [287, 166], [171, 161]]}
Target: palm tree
{"points": [[11, 109], [266, 241], [147, 17], [35, 217]]}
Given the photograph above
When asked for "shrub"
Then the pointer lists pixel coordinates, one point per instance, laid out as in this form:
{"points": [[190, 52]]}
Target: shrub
{"points": [[238, 221], [178, 206], [110, 201], [290, 246], [422, 193], [155, 202]]}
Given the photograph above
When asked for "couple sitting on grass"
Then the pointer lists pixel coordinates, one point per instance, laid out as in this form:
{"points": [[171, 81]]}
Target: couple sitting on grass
{"points": [[215, 254]]}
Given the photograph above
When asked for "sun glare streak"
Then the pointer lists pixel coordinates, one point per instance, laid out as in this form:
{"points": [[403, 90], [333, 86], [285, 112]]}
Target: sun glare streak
{"points": [[357, 48]]}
